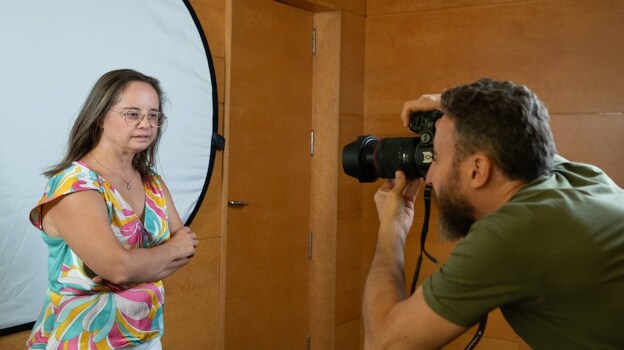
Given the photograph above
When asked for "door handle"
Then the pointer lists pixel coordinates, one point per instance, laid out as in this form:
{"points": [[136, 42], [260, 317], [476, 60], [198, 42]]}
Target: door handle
{"points": [[237, 204]]}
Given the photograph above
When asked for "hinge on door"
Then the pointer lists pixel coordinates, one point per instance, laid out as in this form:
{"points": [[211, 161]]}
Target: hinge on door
{"points": [[308, 342], [310, 245], [313, 41], [312, 143]]}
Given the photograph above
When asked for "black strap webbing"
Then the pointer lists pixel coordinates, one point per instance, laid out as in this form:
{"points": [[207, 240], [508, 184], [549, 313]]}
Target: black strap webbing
{"points": [[423, 238]]}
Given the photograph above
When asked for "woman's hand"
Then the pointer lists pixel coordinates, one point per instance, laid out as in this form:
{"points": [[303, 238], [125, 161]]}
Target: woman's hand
{"points": [[185, 240]]}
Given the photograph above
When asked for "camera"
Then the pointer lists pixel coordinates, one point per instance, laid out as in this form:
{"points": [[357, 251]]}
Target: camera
{"points": [[369, 158]]}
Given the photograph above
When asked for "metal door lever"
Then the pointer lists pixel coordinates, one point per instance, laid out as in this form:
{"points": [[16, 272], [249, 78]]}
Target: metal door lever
{"points": [[237, 204]]}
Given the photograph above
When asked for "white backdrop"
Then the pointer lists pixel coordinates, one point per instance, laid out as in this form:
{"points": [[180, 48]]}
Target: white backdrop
{"points": [[52, 53]]}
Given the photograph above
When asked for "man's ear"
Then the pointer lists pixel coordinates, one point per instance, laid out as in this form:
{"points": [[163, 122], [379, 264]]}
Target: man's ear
{"points": [[481, 170]]}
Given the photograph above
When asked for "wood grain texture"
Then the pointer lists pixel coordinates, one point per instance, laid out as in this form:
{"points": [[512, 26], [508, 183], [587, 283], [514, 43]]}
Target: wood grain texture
{"points": [[192, 301], [567, 53], [270, 106], [401, 7], [211, 15], [324, 206]]}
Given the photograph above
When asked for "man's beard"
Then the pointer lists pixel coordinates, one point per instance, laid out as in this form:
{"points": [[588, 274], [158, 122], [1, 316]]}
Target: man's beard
{"points": [[456, 213]]}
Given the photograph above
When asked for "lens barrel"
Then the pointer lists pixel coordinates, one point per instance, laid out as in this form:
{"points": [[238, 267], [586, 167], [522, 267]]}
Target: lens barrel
{"points": [[396, 153], [368, 158]]}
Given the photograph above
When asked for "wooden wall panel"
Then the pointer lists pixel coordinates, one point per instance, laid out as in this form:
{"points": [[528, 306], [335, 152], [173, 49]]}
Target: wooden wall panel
{"points": [[219, 66], [352, 65], [356, 7], [192, 311], [592, 138], [401, 7], [348, 336], [349, 287], [14, 341], [324, 187], [211, 14], [567, 53]]}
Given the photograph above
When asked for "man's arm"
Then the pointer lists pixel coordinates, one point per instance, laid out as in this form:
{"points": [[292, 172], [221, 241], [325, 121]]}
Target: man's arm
{"points": [[391, 319]]}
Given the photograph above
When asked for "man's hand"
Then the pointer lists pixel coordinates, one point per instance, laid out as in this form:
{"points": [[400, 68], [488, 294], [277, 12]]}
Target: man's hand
{"points": [[395, 203], [423, 103]]}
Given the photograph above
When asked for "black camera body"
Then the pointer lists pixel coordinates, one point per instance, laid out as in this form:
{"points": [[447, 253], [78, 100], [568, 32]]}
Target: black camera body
{"points": [[368, 158]]}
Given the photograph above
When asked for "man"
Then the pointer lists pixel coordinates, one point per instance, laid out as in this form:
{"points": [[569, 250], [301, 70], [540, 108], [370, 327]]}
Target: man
{"points": [[541, 238]]}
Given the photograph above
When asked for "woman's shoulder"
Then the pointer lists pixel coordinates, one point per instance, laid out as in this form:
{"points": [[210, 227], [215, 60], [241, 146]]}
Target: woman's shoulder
{"points": [[75, 177]]}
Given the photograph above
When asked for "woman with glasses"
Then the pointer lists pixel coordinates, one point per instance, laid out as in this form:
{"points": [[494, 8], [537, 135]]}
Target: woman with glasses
{"points": [[110, 224]]}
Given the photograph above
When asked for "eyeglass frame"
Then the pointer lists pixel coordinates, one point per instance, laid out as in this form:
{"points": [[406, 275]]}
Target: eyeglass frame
{"points": [[142, 116]]}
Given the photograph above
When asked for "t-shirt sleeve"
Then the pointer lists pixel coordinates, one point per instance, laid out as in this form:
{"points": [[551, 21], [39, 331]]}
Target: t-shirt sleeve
{"points": [[71, 180], [482, 274]]}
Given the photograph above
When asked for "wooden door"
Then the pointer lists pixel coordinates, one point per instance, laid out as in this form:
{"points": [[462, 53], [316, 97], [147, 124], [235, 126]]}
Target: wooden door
{"points": [[266, 300]]}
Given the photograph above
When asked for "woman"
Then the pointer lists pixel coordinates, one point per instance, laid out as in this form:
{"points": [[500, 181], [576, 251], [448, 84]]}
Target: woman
{"points": [[110, 224]]}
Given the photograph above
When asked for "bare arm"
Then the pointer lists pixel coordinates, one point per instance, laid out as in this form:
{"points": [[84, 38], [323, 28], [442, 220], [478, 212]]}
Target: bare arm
{"points": [[175, 223], [81, 219], [391, 319], [177, 228]]}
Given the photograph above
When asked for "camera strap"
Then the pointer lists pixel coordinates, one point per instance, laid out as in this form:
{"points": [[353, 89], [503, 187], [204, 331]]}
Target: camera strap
{"points": [[423, 237]]}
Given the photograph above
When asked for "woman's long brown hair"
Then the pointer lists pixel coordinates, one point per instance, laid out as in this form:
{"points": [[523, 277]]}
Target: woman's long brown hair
{"points": [[87, 130]]}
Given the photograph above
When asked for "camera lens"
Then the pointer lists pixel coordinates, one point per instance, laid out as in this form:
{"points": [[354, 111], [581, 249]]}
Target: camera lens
{"points": [[368, 158], [357, 159], [397, 153]]}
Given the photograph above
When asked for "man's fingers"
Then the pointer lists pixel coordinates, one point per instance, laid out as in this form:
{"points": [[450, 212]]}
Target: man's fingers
{"points": [[423, 103], [400, 182], [411, 191], [406, 188]]}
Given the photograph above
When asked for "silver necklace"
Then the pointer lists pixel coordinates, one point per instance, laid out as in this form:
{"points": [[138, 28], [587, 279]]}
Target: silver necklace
{"points": [[114, 173]]}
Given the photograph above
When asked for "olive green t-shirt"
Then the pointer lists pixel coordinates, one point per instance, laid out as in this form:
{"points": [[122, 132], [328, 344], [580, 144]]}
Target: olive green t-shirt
{"points": [[552, 259]]}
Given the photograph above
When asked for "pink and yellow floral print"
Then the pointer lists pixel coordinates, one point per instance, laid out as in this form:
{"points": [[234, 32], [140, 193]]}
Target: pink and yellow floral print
{"points": [[81, 314]]}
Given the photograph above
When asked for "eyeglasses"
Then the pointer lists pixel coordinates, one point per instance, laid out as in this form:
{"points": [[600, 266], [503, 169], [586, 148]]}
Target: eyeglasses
{"points": [[133, 117]]}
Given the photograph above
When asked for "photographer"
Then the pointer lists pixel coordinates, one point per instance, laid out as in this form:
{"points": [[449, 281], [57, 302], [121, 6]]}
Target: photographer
{"points": [[540, 237]]}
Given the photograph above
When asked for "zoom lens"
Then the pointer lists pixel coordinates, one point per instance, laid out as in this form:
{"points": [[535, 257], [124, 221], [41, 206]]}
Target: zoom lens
{"points": [[368, 158]]}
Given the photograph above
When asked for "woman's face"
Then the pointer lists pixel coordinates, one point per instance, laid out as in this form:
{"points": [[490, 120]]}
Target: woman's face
{"points": [[119, 131]]}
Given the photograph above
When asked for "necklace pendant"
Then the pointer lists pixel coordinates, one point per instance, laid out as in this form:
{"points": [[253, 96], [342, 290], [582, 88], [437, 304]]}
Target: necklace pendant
{"points": [[128, 186]]}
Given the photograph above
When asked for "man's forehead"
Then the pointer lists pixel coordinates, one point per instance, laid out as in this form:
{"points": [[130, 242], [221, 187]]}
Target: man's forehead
{"points": [[444, 134], [444, 125]]}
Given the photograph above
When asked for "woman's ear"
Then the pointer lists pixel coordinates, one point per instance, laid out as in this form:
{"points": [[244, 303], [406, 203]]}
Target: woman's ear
{"points": [[481, 170]]}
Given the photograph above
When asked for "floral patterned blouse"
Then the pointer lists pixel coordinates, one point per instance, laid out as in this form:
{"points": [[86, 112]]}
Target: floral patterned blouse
{"points": [[80, 314]]}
